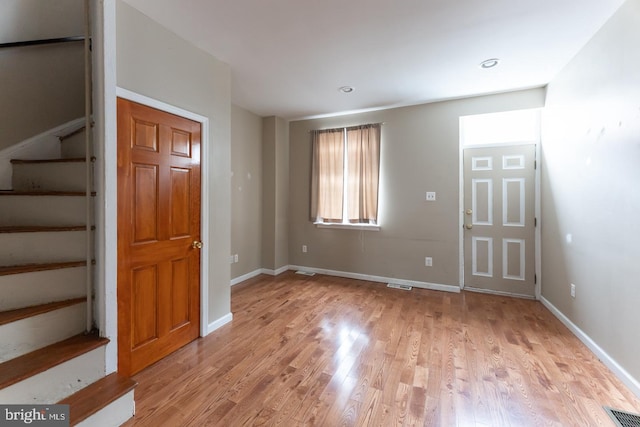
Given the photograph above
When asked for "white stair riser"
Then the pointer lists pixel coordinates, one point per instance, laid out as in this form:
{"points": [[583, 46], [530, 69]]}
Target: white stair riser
{"points": [[58, 382], [42, 247], [114, 414], [26, 335], [57, 176], [42, 210], [41, 287], [73, 147]]}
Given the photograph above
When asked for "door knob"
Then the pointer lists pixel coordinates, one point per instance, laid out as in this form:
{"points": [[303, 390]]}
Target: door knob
{"points": [[468, 226], [469, 212], [196, 244]]}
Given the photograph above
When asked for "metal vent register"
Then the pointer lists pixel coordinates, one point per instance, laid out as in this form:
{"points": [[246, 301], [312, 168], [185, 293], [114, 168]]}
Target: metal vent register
{"points": [[622, 418], [397, 286]]}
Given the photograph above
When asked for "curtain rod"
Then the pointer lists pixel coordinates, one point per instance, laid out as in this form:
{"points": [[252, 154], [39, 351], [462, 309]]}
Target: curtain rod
{"points": [[42, 41], [347, 127]]}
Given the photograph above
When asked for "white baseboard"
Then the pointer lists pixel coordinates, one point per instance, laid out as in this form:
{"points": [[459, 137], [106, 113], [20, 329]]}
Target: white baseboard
{"points": [[276, 272], [358, 276], [618, 370], [216, 324], [246, 276], [257, 272]]}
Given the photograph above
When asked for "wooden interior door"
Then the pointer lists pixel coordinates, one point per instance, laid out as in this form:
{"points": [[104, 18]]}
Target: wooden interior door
{"points": [[499, 236], [158, 234]]}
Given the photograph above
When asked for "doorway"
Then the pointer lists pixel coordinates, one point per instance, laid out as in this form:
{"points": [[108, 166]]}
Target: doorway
{"points": [[499, 219], [159, 237]]}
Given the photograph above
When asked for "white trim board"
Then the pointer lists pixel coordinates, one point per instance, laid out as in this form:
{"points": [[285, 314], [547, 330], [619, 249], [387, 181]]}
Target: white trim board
{"points": [[247, 276], [619, 371], [358, 276], [217, 324], [204, 191], [258, 272]]}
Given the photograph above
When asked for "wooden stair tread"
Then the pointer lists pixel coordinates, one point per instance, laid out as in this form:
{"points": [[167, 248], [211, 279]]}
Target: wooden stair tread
{"points": [[22, 313], [36, 161], [30, 364], [28, 268], [96, 396], [38, 228], [43, 193]]}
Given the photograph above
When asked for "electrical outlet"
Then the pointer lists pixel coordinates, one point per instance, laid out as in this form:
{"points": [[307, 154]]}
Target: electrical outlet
{"points": [[573, 290], [235, 258], [428, 261], [431, 196], [304, 249]]}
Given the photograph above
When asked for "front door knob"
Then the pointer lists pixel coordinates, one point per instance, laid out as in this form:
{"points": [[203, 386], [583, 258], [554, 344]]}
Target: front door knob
{"points": [[196, 244]]}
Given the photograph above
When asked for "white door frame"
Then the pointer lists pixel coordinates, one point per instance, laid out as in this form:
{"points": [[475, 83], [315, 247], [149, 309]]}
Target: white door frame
{"points": [[538, 236], [204, 190]]}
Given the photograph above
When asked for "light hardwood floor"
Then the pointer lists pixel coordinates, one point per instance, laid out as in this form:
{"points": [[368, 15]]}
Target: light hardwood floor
{"points": [[329, 351]]}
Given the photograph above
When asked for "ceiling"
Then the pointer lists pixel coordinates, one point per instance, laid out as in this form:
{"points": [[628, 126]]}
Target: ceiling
{"points": [[289, 57]]}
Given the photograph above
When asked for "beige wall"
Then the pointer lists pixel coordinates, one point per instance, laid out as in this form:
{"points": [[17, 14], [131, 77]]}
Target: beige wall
{"points": [[154, 62], [591, 152], [275, 193], [42, 86], [419, 153], [246, 191]]}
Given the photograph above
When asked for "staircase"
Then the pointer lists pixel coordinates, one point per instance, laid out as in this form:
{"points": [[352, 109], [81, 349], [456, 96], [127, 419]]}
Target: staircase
{"points": [[46, 356]]}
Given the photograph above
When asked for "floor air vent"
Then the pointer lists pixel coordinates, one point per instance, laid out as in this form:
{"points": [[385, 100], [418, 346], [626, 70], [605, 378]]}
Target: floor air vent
{"points": [[622, 418], [305, 273], [396, 286]]}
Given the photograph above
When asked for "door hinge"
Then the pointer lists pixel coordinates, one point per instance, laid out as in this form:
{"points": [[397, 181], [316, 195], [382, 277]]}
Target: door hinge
{"points": [[535, 222], [535, 279], [535, 164]]}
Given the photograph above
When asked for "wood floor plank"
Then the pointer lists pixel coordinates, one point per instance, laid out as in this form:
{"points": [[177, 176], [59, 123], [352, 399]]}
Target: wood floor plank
{"points": [[329, 351]]}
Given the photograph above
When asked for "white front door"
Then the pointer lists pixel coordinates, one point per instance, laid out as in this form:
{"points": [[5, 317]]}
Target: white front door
{"points": [[499, 221]]}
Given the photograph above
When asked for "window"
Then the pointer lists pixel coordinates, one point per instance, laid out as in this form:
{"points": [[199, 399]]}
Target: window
{"points": [[345, 174]]}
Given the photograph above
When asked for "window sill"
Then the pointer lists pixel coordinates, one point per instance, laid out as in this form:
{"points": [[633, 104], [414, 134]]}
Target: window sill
{"points": [[366, 227]]}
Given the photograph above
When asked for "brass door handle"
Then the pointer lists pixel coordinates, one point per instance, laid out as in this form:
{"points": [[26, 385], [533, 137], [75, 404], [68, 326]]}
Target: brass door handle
{"points": [[196, 244], [469, 212], [468, 226]]}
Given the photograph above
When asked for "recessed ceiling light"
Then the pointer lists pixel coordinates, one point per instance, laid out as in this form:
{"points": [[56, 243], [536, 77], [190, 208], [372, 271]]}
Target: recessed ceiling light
{"points": [[346, 89], [489, 63]]}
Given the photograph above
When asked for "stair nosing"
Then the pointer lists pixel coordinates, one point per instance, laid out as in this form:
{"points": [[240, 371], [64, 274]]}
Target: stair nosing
{"points": [[17, 314], [30, 268], [82, 407], [56, 160], [18, 369]]}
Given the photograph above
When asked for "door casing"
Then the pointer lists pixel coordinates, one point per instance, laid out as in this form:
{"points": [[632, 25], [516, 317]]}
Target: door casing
{"points": [[204, 190]]}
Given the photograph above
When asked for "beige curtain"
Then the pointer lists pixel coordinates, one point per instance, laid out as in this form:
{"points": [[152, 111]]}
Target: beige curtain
{"points": [[363, 165], [327, 178]]}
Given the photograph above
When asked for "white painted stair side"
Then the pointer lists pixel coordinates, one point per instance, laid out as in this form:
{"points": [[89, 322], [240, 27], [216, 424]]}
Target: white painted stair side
{"points": [[26, 210], [58, 382], [42, 246], [55, 176], [73, 146], [114, 414], [31, 333], [41, 287]]}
